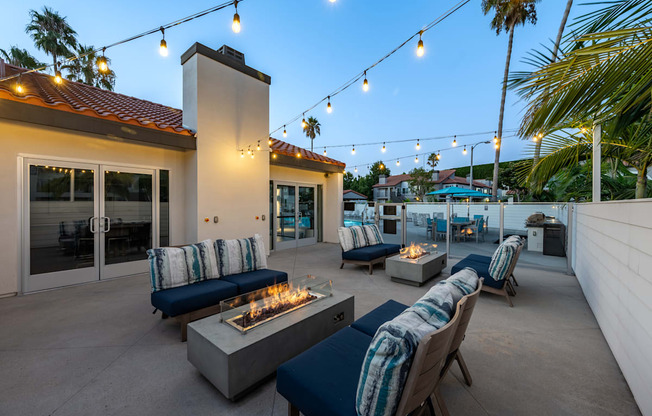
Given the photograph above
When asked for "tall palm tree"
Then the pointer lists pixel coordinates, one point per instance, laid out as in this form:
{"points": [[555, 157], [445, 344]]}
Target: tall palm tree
{"points": [[20, 57], [312, 129], [52, 34], [83, 69], [555, 51], [508, 15]]}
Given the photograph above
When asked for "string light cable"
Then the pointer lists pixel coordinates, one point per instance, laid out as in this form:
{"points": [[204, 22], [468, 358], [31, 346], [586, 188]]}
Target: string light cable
{"points": [[160, 28], [363, 73]]}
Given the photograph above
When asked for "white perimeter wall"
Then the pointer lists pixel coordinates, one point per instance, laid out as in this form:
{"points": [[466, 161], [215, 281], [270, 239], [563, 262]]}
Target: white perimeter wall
{"points": [[21, 139], [613, 263], [332, 192]]}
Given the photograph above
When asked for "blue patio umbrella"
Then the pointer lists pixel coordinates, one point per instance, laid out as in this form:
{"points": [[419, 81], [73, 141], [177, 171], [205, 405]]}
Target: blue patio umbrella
{"points": [[453, 190], [471, 194]]}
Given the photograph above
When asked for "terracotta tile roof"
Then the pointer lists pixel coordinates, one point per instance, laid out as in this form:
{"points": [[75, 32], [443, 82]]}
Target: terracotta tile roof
{"points": [[393, 180], [83, 99], [283, 148], [444, 175], [346, 191], [464, 181]]}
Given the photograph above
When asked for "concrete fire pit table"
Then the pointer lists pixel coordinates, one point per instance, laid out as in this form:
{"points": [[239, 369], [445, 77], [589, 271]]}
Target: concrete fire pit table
{"points": [[415, 272], [235, 362]]}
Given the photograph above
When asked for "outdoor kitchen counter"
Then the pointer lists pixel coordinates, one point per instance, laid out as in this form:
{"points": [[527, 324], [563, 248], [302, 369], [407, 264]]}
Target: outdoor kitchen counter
{"points": [[235, 362]]}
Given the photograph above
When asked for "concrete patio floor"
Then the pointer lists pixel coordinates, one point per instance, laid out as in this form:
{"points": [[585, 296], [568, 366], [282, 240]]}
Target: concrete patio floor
{"points": [[97, 349]]}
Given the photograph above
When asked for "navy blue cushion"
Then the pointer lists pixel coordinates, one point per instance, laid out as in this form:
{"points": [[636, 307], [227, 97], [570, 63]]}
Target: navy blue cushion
{"points": [[390, 248], [258, 279], [184, 299], [323, 380], [482, 269], [365, 253], [479, 259], [370, 323]]}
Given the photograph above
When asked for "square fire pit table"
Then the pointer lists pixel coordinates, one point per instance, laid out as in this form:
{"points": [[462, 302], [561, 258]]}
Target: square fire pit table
{"points": [[235, 360], [415, 271]]}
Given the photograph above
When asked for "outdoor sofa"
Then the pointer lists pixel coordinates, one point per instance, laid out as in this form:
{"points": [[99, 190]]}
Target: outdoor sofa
{"points": [[389, 362], [498, 269], [363, 245], [188, 282]]}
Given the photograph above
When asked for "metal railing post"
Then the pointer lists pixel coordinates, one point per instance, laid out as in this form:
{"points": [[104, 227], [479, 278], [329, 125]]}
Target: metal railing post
{"points": [[448, 229], [569, 240], [403, 225], [502, 222]]}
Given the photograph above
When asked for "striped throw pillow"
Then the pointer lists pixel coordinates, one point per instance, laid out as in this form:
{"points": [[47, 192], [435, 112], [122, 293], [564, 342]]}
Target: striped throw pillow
{"points": [[201, 261], [462, 283], [241, 255], [389, 356], [502, 260], [167, 268], [359, 236]]}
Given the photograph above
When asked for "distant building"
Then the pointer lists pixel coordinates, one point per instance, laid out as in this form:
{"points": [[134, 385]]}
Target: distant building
{"points": [[351, 195], [397, 188]]}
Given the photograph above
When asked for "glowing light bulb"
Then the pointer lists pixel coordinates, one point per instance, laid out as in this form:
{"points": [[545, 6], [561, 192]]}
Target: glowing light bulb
{"points": [[242, 154], [495, 137], [299, 155], [355, 170], [332, 1], [365, 83], [236, 19], [252, 155], [420, 49], [398, 162], [383, 149], [416, 159], [497, 146], [438, 156], [273, 155], [324, 151], [583, 130], [102, 64], [418, 145], [163, 49], [269, 142], [329, 109], [353, 150], [535, 138], [57, 78], [258, 146], [285, 132], [464, 151], [303, 123], [19, 88], [382, 167], [454, 141]]}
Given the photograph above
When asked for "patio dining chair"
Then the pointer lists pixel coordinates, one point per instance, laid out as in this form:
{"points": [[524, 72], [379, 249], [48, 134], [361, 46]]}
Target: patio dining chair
{"points": [[477, 228], [441, 228], [429, 228]]}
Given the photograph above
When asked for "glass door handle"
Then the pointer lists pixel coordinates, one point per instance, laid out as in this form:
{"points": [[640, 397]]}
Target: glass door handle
{"points": [[108, 224], [91, 224]]}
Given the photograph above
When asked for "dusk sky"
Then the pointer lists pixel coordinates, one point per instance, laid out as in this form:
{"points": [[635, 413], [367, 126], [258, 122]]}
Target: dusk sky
{"points": [[311, 47]]}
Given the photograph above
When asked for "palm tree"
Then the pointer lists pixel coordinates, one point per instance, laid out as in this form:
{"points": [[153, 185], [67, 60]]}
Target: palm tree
{"points": [[20, 57], [83, 69], [52, 34], [555, 51], [312, 129], [508, 15]]}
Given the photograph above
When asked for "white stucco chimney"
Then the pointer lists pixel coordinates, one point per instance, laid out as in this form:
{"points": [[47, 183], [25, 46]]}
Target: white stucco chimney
{"points": [[382, 179], [227, 104], [435, 175]]}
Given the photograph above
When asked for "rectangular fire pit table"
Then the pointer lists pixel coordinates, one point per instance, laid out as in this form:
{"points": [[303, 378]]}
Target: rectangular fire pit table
{"points": [[235, 362], [415, 271]]}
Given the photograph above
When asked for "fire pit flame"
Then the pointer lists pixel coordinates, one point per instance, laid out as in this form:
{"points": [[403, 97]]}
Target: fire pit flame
{"points": [[415, 251]]}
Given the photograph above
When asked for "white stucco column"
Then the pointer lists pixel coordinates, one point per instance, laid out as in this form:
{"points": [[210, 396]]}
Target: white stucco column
{"points": [[597, 162]]}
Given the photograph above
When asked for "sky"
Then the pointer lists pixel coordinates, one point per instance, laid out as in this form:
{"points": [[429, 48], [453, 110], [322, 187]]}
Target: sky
{"points": [[311, 47]]}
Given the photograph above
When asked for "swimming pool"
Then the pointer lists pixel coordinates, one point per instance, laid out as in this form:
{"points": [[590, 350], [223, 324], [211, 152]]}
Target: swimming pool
{"points": [[351, 223]]}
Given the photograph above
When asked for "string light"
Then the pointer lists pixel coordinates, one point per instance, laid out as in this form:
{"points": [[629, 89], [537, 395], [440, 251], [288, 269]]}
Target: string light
{"points": [[258, 147], [299, 155], [242, 153], [497, 146], [58, 79], [495, 137], [365, 83], [285, 132], [420, 48], [252, 155], [398, 162], [102, 64], [329, 109], [383, 149], [535, 138], [324, 151], [19, 85], [269, 142], [438, 155], [163, 48], [418, 145], [464, 151], [273, 155], [332, 1], [454, 141], [382, 167], [416, 159], [353, 150], [356, 169], [303, 122], [236, 19]]}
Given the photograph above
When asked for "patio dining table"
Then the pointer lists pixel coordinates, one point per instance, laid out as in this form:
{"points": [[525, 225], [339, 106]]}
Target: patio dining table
{"points": [[459, 225]]}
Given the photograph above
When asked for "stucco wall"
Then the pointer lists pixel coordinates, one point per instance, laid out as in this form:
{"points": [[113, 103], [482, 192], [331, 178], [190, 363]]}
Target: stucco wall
{"points": [[21, 139], [332, 191], [613, 263]]}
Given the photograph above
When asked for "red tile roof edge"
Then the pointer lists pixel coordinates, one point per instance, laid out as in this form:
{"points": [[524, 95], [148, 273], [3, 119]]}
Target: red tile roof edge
{"points": [[283, 148], [355, 192]]}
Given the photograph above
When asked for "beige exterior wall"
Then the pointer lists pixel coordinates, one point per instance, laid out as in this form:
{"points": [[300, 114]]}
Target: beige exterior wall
{"points": [[28, 140], [332, 192], [229, 110]]}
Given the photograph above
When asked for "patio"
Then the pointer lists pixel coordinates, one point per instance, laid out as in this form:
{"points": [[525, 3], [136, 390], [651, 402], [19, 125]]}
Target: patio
{"points": [[97, 349]]}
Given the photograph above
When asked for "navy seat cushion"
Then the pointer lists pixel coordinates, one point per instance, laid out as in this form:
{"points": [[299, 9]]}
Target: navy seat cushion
{"points": [[323, 381], [390, 248], [479, 259], [365, 253], [481, 268], [184, 299], [370, 323], [258, 279]]}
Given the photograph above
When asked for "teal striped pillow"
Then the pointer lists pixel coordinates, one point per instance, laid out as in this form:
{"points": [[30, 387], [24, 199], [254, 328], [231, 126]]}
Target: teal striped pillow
{"points": [[502, 259], [201, 261], [358, 236], [167, 268], [239, 256], [389, 356]]}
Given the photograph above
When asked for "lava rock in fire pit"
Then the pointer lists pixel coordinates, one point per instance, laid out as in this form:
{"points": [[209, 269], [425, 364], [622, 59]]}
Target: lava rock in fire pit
{"points": [[265, 313]]}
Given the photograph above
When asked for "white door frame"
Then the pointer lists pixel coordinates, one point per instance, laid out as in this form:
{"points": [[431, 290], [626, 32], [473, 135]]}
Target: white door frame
{"points": [[99, 271], [298, 242]]}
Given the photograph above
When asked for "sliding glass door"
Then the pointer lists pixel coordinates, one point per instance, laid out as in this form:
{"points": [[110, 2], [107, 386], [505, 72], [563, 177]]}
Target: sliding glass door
{"points": [[295, 215]]}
